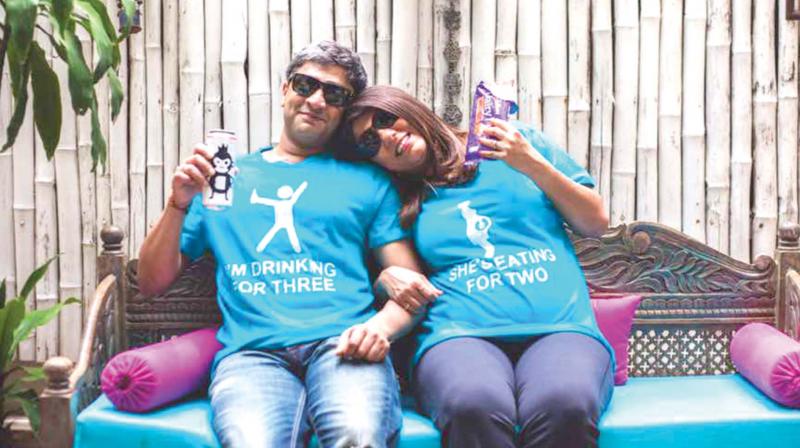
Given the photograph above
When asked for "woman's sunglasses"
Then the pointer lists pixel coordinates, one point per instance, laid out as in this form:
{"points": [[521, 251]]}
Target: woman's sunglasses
{"points": [[305, 85], [368, 145]]}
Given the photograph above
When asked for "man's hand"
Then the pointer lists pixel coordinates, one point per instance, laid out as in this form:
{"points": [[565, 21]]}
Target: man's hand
{"points": [[363, 341], [190, 176], [410, 289]]}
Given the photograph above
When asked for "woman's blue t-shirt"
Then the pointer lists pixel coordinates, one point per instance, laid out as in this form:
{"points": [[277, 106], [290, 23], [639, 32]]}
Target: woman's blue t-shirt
{"points": [[497, 247], [291, 249]]}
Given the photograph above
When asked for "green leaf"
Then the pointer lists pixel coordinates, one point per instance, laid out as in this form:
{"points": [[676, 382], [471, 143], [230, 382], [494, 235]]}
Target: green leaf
{"points": [[46, 100], [19, 89], [129, 6], [105, 47], [117, 94], [34, 278], [3, 293], [33, 374], [20, 19], [13, 319], [30, 405], [37, 318], [81, 81], [98, 142], [97, 8], [62, 9]]}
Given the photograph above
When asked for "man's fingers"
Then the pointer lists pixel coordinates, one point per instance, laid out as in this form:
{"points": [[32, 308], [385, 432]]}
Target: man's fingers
{"points": [[378, 351], [366, 345], [203, 150], [194, 174], [202, 164], [353, 341], [343, 340]]}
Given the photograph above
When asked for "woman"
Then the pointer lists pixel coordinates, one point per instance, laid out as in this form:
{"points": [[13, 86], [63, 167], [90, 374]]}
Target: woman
{"points": [[510, 355]]}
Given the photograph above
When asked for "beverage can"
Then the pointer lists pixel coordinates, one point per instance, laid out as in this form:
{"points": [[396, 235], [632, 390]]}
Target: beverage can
{"points": [[218, 192]]}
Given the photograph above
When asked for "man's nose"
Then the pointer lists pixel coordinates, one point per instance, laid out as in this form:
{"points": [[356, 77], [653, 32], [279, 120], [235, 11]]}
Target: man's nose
{"points": [[317, 99]]}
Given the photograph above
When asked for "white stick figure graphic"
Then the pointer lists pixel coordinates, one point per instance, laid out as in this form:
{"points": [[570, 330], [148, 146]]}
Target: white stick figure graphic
{"points": [[284, 219], [477, 228]]}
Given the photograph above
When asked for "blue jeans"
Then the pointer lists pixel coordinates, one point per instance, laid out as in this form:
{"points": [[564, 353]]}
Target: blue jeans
{"points": [[275, 398]]}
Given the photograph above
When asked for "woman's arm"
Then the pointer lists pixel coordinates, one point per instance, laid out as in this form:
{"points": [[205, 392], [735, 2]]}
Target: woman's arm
{"points": [[580, 206]]}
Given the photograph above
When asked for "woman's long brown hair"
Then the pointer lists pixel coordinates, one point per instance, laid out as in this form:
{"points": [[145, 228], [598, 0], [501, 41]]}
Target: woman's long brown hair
{"points": [[443, 164]]}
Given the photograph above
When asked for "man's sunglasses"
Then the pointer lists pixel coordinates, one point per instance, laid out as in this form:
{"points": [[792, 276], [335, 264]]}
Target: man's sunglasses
{"points": [[305, 85], [368, 145]]}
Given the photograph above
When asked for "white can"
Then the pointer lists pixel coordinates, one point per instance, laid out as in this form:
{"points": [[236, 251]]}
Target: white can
{"points": [[218, 192]]}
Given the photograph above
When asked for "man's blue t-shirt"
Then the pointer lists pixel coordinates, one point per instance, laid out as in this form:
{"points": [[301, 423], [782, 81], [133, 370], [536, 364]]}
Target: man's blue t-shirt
{"points": [[497, 247], [291, 249]]}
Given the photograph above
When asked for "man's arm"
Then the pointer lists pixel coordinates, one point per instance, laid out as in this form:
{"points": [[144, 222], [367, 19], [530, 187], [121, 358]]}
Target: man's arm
{"points": [[160, 259], [371, 340]]}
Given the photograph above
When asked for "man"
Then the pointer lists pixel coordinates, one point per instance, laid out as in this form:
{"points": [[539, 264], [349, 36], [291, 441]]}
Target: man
{"points": [[303, 347]]}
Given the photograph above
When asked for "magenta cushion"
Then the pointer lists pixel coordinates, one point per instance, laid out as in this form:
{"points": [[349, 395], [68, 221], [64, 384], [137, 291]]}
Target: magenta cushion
{"points": [[615, 317], [770, 360], [145, 378]]}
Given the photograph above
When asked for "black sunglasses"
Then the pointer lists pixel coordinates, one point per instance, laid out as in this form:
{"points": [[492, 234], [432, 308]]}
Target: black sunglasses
{"points": [[305, 85], [368, 145]]}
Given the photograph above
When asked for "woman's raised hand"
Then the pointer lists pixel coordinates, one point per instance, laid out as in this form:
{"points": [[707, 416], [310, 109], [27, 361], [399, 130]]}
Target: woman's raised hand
{"points": [[509, 145], [409, 289]]}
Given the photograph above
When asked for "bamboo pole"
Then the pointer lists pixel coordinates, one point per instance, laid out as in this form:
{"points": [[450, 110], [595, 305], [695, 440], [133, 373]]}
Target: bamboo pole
{"points": [[191, 53], [118, 156], [741, 129], [647, 123], [439, 62], [171, 97], [301, 24], [24, 217], [69, 223], [694, 151], [212, 118], [669, 114], [554, 70], [232, 59], [580, 95], [7, 181], [787, 117], [322, 20], [505, 52], [88, 192], [626, 106], [529, 55], [464, 65], [279, 60], [602, 99], [137, 103], [383, 42], [425, 53], [258, 76], [345, 22], [764, 126], [103, 174], [46, 231], [365, 36], [154, 110], [405, 37], [718, 119], [483, 41]]}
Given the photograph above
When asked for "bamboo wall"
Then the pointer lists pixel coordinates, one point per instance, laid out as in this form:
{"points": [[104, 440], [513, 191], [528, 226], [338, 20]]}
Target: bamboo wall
{"points": [[685, 112]]}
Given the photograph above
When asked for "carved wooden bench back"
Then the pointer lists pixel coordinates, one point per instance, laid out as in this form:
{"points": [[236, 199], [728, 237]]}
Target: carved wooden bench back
{"points": [[694, 297]]}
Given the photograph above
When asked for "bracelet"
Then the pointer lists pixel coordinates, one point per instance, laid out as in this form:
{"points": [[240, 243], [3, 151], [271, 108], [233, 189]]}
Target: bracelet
{"points": [[171, 203]]}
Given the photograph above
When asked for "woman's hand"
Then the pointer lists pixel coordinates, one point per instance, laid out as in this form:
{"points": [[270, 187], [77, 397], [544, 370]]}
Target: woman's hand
{"points": [[363, 341], [509, 145], [190, 176], [409, 289]]}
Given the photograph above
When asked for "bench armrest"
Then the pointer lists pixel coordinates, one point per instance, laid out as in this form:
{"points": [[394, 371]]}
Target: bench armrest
{"points": [[69, 389], [792, 314]]}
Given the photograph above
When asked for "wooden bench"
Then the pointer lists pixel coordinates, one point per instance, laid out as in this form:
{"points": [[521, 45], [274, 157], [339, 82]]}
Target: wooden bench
{"points": [[695, 298]]}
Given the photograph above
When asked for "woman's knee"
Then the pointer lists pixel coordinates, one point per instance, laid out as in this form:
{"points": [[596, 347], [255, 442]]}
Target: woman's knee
{"points": [[477, 404]]}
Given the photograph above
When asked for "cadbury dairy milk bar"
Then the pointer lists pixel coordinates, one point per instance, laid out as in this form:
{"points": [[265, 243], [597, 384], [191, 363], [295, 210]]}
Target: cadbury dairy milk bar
{"points": [[485, 105]]}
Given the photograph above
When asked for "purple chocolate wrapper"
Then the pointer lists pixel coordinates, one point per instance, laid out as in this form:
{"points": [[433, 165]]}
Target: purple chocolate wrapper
{"points": [[485, 105]]}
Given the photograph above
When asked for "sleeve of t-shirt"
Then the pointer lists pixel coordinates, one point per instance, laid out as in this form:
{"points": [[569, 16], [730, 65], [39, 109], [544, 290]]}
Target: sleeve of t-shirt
{"points": [[559, 158], [385, 226], [193, 235]]}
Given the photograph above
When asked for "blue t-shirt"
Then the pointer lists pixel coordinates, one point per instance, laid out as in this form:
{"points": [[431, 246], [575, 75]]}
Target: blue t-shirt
{"points": [[497, 247], [291, 248]]}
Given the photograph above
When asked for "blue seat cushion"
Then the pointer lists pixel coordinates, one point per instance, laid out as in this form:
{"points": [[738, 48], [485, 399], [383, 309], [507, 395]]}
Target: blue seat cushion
{"points": [[188, 425], [698, 412], [694, 411]]}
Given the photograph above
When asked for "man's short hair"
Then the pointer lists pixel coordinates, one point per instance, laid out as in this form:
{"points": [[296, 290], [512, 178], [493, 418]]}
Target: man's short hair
{"points": [[327, 52]]}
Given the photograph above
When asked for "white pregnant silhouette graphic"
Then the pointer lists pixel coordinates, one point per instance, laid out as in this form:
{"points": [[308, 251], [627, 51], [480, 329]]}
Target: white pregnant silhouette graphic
{"points": [[477, 228], [284, 219]]}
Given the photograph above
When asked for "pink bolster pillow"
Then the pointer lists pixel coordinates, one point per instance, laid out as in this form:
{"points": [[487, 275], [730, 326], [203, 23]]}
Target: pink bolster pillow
{"points": [[147, 377], [770, 360], [614, 317]]}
